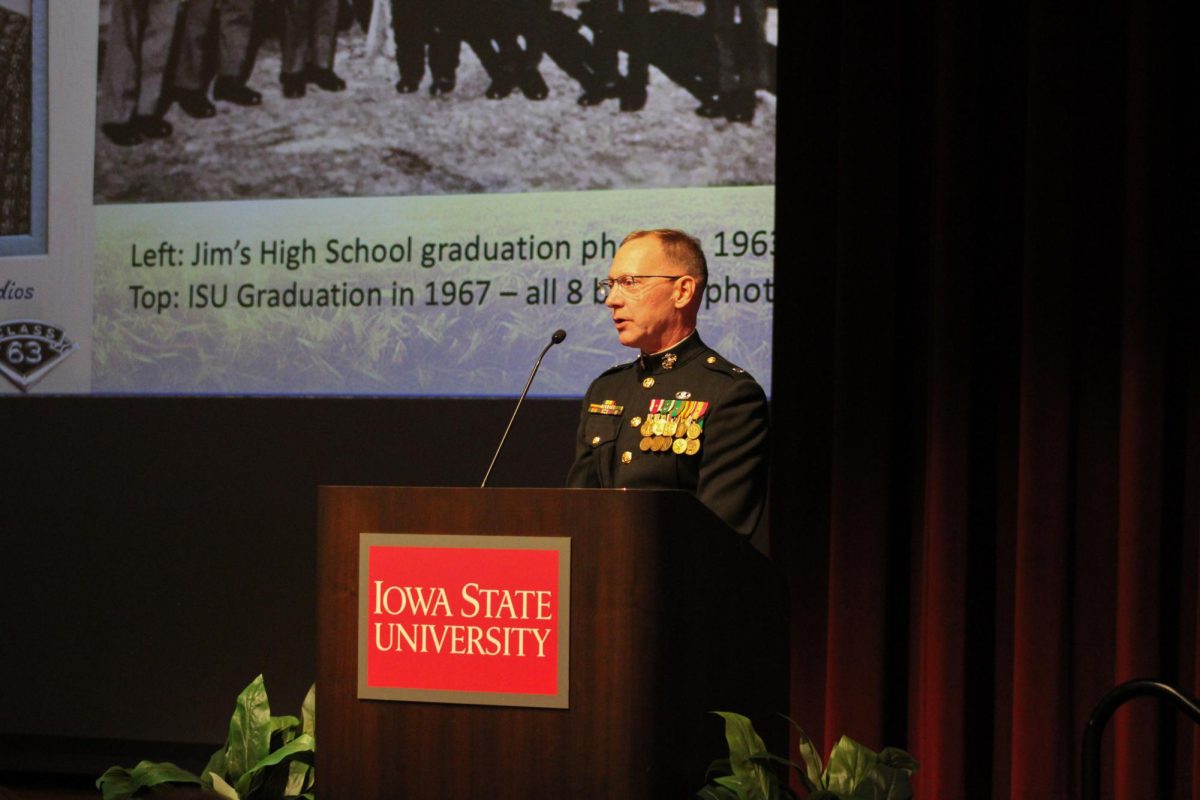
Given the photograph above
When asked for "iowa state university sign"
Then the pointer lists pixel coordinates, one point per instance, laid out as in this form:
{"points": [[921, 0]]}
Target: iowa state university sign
{"points": [[464, 619]]}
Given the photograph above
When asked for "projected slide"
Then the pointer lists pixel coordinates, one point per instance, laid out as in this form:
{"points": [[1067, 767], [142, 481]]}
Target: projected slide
{"points": [[407, 198]]}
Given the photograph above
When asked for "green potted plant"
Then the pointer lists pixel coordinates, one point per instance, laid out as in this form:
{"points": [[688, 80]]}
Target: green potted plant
{"points": [[264, 757], [853, 772]]}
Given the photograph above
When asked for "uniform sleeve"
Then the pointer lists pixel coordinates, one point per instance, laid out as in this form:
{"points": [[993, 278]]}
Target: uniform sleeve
{"points": [[583, 473], [733, 473]]}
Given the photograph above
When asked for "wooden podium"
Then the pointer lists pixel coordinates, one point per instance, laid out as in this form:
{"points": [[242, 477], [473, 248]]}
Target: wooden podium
{"points": [[672, 615]]}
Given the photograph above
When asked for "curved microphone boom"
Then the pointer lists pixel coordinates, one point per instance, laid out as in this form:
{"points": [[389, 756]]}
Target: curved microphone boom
{"points": [[557, 338]]}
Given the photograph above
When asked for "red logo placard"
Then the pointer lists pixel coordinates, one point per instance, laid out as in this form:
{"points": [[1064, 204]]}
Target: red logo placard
{"points": [[464, 619]]}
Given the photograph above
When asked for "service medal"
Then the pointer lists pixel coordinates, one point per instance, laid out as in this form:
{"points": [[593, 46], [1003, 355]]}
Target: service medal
{"points": [[697, 426], [647, 428]]}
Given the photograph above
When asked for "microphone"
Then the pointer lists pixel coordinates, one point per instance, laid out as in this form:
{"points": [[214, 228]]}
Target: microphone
{"points": [[557, 338]]}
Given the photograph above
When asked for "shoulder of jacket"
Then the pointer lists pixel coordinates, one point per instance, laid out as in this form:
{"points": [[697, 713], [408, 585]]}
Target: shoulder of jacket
{"points": [[609, 375], [617, 368], [715, 362]]}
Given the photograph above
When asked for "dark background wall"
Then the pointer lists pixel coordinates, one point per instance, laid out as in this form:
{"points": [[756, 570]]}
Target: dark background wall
{"points": [[158, 553], [987, 492]]}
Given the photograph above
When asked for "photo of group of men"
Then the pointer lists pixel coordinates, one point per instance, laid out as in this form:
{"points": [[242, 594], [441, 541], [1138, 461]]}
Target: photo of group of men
{"points": [[163, 51], [195, 53], [510, 37]]}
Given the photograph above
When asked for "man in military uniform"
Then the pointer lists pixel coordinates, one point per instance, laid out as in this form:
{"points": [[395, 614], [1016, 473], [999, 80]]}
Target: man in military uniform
{"points": [[233, 20], [135, 61], [308, 46], [617, 25], [679, 416], [738, 31]]}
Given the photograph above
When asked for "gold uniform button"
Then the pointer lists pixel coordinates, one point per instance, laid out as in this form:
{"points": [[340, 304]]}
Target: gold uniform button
{"points": [[636, 422], [626, 457], [595, 441], [649, 382], [711, 359]]}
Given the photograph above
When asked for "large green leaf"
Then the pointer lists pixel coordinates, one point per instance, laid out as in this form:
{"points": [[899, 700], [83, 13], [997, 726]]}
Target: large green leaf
{"points": [[741, 788], [310, 777], [849, 763], [118, 783], [151, 773], [898, 759], [811, 775], [301, 744], [308, 712], [284, 729], [222, 788], [115, 784], [884, 783], [215, 766], [299, 774], [743, 741], [744, 745], [768, 761], [250, 729]]}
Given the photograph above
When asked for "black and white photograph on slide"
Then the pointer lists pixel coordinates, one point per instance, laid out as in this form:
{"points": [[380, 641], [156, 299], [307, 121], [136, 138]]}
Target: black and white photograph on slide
{"points": [[16, 118], [257, 99]]}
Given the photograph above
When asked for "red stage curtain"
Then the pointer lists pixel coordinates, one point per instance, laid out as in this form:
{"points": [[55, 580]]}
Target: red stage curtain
{"points": [[986, 485]]}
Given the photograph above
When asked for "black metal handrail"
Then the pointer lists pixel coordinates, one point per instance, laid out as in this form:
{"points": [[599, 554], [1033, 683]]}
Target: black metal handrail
{"points": [[1143, 687]]}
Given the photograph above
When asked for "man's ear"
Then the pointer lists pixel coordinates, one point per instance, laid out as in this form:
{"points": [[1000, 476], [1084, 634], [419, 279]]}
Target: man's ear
{"points": [[685, 291]]}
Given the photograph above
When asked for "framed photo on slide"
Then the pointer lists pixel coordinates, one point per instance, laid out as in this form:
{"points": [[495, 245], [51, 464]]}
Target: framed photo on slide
{"points": [[23, 121]]}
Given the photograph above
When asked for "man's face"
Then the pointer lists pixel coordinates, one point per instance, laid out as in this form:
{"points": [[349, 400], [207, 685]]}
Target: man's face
{"points": [[651, 316]]}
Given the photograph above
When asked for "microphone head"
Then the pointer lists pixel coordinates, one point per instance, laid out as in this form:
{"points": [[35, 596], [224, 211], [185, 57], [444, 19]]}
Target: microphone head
{"points": [[558, 336]]}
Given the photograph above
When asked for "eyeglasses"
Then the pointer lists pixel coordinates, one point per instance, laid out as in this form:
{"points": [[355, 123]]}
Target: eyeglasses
{"points": [[629, 284]]}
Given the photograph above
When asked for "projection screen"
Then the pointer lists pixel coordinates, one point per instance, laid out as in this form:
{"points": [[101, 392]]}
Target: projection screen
{"points": [[420, 230]]}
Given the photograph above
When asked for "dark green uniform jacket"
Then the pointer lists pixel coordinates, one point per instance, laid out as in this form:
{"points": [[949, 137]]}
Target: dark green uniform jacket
{"points": [[712, 440]]}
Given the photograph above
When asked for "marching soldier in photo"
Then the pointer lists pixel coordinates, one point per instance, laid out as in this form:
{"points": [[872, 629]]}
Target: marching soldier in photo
{"points": [[233, 20], [679, 416], [135, 60], [309, 43]]}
